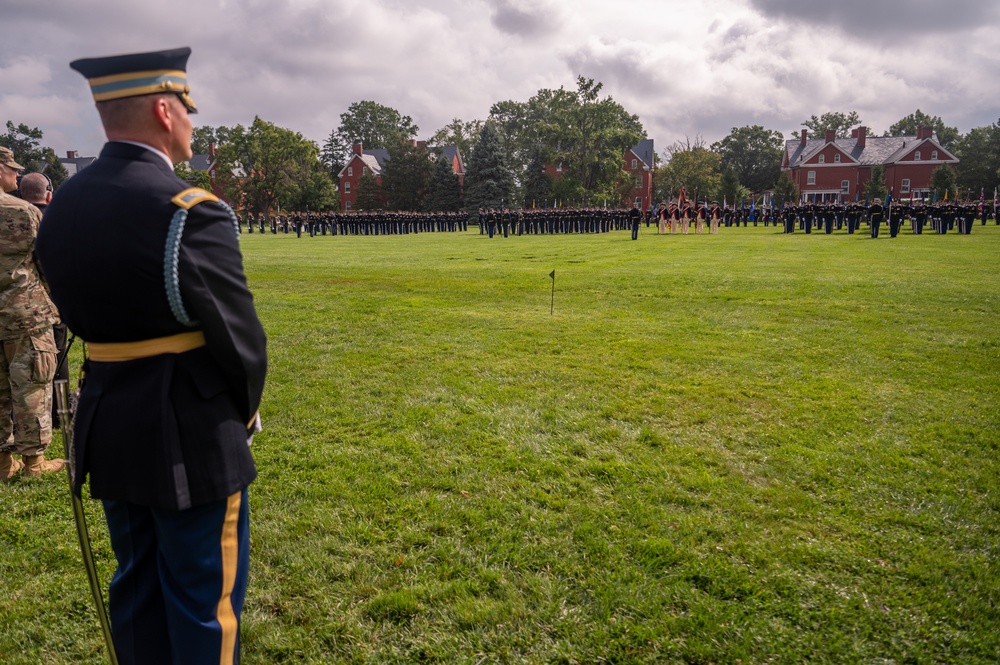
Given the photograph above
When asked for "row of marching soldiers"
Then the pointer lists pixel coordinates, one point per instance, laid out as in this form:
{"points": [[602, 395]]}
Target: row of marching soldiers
{"points": [[354, 223], [553, 221], [938, 218]]}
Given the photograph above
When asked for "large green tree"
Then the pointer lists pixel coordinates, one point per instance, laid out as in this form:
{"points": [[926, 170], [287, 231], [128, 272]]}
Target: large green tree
{"points": [[944, 183], [838, 121], [785, 190], [537, 183], [589, 137], [196, 178], [445, 191], [457, 133], [488, 180], [407, 176], [979, 152], [370, 195], [584, 134], [26, 144], [875, 187], [263, 167], [369, 123], [690, 165], [517, 125], [947, 136], [753, 154], [730, 188], [202, 137]]}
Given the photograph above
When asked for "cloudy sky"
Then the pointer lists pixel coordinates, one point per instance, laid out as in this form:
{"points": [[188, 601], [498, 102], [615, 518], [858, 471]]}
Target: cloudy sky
{"points": [[687, 68]]}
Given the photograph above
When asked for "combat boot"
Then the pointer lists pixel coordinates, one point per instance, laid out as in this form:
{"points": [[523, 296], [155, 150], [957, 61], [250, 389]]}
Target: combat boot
{"points": [[9, 466], [36, 465]]}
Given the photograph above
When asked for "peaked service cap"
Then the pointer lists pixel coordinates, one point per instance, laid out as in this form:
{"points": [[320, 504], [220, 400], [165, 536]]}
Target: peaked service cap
{"points": [[136, 74]]}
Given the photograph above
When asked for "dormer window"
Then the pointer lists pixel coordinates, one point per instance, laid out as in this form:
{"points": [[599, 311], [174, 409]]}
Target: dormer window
{"points": [[822, 159], [916, 156], [934, 154], [836, 158]]}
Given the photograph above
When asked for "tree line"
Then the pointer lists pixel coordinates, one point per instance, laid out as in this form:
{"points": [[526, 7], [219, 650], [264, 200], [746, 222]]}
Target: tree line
{"points": [[264, 167]]}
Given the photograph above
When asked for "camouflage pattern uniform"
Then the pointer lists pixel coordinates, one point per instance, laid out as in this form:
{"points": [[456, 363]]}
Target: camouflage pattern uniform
{"points": [[28, 361]]}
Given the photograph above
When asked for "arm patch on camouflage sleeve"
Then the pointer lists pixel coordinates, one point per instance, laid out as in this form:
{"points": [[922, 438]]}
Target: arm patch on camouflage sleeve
{"points": [[189, 198]]}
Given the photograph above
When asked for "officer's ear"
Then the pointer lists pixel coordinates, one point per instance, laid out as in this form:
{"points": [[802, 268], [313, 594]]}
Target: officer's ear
{"points": [[164, 112]]}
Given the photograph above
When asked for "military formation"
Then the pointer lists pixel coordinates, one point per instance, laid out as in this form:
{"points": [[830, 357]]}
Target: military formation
{"points": [[552, 221], [353, 223], [688, 217], [827, 218]]}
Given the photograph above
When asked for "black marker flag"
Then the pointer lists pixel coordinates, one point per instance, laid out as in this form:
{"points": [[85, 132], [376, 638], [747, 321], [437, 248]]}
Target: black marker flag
{"points": [[552, 307]]}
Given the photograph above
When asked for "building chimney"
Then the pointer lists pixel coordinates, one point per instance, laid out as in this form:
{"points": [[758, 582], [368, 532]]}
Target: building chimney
{"points": [[71, 154], [924, 132], [831, 135], [356, 149], [862, 136], [805, 137], [211, 152]]}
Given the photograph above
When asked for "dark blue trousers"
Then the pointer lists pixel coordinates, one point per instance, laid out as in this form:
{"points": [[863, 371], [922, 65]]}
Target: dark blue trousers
{"points": [[178, 592]]}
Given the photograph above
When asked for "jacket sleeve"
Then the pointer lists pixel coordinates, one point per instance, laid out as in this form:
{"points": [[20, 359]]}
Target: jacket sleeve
{"points": [[215, 293]]}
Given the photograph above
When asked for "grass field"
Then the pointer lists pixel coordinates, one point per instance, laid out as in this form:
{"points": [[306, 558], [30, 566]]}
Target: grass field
{"points": [[746, 448]]}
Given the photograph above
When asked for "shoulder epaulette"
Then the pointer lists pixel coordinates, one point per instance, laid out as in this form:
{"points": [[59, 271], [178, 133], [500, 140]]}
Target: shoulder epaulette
{"points": [[189, 198]]}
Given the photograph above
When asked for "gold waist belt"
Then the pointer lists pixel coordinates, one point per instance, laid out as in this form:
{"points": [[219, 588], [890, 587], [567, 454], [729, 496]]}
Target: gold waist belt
{"points": [[121, 351]]}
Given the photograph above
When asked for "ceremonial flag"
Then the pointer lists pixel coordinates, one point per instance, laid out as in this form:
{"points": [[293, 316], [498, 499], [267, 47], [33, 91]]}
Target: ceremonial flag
{"points": [[981, 202], [888, 198]]}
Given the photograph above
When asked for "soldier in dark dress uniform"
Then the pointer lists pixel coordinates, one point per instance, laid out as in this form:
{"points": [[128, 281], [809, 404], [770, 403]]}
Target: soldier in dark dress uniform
{"points": [[148, 271], [875, 213]]}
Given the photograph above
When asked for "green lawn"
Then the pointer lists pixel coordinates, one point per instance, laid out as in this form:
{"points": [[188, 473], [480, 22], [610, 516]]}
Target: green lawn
{"points": [[743, 448]]}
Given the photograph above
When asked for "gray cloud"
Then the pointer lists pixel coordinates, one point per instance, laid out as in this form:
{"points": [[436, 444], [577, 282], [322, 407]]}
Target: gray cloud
{"points": [[523, 18], [301, 64], [885, 19]]}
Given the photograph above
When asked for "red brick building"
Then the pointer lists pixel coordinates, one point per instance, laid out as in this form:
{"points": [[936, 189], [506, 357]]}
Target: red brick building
{"points": [[638, 164], [834, 170], [374, 160], [361, 162]]}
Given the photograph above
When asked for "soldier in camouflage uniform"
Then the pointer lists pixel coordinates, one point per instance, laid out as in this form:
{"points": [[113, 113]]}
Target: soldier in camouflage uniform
{"points": [[28, 361]]}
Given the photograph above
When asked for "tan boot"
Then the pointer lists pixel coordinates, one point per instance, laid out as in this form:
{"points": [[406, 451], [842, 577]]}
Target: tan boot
{"points": [[9, 467], [36, 465]]}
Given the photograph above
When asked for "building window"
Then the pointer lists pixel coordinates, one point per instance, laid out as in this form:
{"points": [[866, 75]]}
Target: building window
{"points": [[904, 187], [347, 187], [811, 178], [916, 155], [638, 181], [635, 163], [822, 159], [934, 154], [350, 171], [347, 205], [845, 186], [638, 202], [836, 158], [559, 168], [364, 170]]}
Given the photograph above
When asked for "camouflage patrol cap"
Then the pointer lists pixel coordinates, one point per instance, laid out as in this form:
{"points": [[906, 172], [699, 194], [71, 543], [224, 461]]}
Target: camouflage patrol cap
{"points": [[7, 159]]}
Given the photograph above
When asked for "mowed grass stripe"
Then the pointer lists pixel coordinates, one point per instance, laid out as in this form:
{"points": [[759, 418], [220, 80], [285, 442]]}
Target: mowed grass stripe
{"points": [[750, 446]]}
